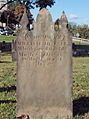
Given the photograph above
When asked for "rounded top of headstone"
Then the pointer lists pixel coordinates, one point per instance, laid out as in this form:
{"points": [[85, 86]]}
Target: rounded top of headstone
{"points": [[45, 13]]}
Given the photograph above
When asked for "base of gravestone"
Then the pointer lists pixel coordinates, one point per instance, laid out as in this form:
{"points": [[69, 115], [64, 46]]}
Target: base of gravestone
{"points": [[60, 113]]}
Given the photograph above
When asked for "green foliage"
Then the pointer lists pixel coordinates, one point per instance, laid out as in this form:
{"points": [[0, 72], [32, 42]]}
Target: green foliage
{"points": [[79, 43], [18, 12], [13, 5], [27, 3], [15, 11], [44, 3], [7, 111], [77, 117], [82, 30], [7, 82], [72, 29], [80, 77], [56, 26]]}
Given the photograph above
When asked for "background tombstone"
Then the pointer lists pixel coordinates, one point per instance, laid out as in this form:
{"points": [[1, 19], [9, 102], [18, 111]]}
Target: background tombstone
{"points": [[44, 69], [13, 49], [5, 46]]}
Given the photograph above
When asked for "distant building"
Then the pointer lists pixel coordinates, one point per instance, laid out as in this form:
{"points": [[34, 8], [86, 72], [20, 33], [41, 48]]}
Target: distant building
{"points": [[2, 2]]}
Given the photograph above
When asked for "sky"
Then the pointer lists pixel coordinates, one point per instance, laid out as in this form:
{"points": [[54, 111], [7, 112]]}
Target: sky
{"points": [[77, 11]]}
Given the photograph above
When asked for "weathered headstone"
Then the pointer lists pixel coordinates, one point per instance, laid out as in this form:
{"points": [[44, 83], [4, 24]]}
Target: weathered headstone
{"points": [[13, 49], [5, 46], [44, 69]]}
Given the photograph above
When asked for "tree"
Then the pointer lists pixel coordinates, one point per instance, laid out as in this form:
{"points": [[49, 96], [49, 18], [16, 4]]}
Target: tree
{"points": [[27, 3], [17, 7], [83, 31], [18, 12], [13, 5], [74, 30], [8, 17], [44, 3]]}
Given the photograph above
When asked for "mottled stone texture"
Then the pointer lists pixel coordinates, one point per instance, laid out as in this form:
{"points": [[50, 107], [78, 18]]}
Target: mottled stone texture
{"points": [[44, 69]]}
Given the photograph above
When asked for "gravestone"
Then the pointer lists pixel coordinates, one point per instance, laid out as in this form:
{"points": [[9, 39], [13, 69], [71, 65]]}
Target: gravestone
{"points": [[44, 68], [5, 46], [13, 49]]}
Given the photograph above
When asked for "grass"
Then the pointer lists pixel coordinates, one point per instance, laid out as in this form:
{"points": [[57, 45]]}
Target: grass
{"points": [[80, 43], [7, 38], [81, 87], [8, 87]]}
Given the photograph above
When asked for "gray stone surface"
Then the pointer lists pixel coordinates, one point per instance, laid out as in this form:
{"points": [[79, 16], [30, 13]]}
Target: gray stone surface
{"points": [[13, 50], [44, 69]]}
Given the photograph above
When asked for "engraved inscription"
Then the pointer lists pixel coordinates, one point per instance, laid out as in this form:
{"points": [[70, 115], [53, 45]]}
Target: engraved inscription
{"points": [[41, 52]]}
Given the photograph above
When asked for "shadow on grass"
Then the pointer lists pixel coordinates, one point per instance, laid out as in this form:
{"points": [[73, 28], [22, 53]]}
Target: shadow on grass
{"points": [[7, 101], [81, 106], [5, 62], [8, 89], [5, 53]]}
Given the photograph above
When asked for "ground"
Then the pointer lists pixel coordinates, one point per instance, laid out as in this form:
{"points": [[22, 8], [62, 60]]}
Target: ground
{"points": [[7, 38], [81, 87], [8, 87]]}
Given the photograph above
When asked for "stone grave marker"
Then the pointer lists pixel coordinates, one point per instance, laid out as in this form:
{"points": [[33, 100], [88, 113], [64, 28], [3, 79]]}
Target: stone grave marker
{"points": [[44, 68], [13, 49]]}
